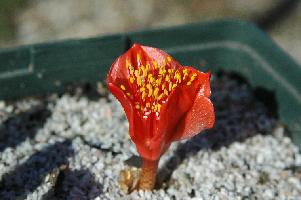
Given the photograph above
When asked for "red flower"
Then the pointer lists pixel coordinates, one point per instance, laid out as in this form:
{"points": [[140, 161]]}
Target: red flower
{"points": [[163, 100]]}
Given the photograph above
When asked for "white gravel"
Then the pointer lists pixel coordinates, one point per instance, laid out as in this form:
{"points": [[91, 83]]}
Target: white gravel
{"points": [[73, 147]]}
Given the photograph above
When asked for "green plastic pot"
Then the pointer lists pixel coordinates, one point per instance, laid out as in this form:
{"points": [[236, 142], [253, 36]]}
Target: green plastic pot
{"points": [[229, 45]]}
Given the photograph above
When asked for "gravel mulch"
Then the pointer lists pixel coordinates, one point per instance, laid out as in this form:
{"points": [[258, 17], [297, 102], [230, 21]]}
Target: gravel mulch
{"points": [[74, 147]]}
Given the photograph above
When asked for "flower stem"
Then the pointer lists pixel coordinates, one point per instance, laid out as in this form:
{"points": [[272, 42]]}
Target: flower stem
{"points": [[148, 174]]}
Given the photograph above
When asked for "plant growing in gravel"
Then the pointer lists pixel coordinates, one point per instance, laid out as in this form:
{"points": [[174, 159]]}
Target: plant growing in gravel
{"points": [[163, 102]]}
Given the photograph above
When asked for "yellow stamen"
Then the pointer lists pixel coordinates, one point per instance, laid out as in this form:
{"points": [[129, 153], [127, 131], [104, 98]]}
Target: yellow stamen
{"points": [[142, 89], [177, 77], [160, 96], [150, 78], [139, 81], [166, 78], [137, 73], [162, 70], [155, 64], [144, 71], [132, 80], [158, 106], [158, 81], [122, 87], [174, 85], [143, 95], [156, 92], [170, 86], [193, 77], [138, 57], [150, 90]]}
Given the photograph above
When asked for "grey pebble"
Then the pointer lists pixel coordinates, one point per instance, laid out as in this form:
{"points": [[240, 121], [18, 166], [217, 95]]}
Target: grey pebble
{"points": [[232, 161]]}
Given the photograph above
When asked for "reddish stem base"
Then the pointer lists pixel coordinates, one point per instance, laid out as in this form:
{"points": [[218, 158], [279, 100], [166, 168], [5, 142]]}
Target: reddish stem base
{"points": [[148, 174]]}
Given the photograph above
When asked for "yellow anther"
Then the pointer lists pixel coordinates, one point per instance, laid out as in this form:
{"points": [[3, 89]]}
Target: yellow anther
{"points": [[158, 81], [168, 58], [163, 86], [156, 91], [162, 70], [170, 86], [152, 81], [128, 94], [177, 77], [147, 104], [138, 57], [193, 77], [155, 64], [122, 87], [137, 74], [150, 90], [166, 78], [142, 89], [132, 70], [144, 71], [139, 80], [185, 71], [147, 66], [158, 107], [137, 106], [160, 96], [132, 80], [150, 78], [166, 92], [174, 85], [188, 83], [143, 95], [171, 71]]}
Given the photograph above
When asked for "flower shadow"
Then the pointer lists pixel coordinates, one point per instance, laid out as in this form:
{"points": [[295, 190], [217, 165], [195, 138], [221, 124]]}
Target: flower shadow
{"points": [[74, 184], [29, 175], [19, 127]]}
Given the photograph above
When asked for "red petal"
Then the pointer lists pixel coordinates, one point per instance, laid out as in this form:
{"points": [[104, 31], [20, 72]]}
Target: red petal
{"points": [[180, 104], [124, 101], [119, 73], [201, 113], [154, 54], [201, 116], [186, 112], [140, 129]]}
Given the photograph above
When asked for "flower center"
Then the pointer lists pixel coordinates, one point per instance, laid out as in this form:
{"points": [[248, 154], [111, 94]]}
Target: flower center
{"points": [[151, 84]]}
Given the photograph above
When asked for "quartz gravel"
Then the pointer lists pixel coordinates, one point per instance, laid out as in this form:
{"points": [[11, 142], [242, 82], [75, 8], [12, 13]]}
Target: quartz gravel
{"points": [[74, 147]]}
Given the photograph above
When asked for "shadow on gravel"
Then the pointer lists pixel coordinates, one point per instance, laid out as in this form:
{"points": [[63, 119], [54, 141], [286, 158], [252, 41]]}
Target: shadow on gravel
{"points": [[240, 114], [29, 175], [17, 128], [77, 184]]}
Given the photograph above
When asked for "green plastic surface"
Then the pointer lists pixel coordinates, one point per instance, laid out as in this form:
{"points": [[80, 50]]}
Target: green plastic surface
{"points": [[229, 45]]}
